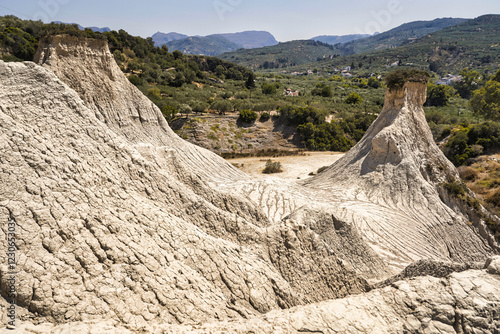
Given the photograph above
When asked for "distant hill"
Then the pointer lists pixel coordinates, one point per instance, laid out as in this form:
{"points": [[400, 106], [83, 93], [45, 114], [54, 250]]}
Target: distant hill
{"points": [[334, 39], [161, 38], [251, 39], [208, 46], [216, 44], [281, 55], [398, 36], [97, 29], [473, 43], [298, 52], [94, 29]]}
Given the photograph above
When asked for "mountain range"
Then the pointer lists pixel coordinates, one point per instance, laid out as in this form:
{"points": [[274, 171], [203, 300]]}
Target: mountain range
{"points": [[472, 44], [281, 55], [161, 38], [398, 36], [336, 39], [445, 45], [215, 44], [94, 29]]}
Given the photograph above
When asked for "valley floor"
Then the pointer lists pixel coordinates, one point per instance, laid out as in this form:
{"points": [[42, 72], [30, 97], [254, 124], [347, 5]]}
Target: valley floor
{"points": [[294, 167]]}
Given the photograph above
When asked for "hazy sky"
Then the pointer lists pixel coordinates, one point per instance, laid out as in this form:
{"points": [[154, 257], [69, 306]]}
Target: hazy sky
{"points": [[285, 19]]}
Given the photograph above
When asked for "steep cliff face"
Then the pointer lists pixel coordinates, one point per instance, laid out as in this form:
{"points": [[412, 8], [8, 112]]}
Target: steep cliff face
{"points": [[88, 67]]}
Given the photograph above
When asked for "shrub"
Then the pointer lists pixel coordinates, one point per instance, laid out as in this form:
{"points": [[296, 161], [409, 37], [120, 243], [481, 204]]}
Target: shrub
{"points": [[264, 117], [398, 78], [135, 80], [486, 100], [468, 173], [353, 98], [437, 117], [445, 133], [272, 167], [324, 137], [301, 115], [169, 112], [185, 109], [373, 82], [438, 95], [494, 199], [322, 90], [457, 189], [153, 93], [222, 106], [199, 107], [247, 116], [269, 88]]}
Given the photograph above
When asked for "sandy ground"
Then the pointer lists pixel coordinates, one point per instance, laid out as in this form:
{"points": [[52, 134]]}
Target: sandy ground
{"points": [[294, 167]]}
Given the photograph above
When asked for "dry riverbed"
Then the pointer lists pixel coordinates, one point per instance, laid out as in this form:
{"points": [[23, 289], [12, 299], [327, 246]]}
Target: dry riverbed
{"points": [[294, 167]]}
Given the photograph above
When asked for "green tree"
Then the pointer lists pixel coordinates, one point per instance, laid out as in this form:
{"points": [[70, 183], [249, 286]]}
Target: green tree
{"points": [[135, 80], [322, 90], [219, 71], [179, 80], [199, 107], [169, 112], [153, 93], [185, 109], [269, 88], [353, 98], [222, 106], [373, 82], [486, 100], [177, 54], [457, 149], [470, 82], [438, 95], [250, 82], [396, 79]]}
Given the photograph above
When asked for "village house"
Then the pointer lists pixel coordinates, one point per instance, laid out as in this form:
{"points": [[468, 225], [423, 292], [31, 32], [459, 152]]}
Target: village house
{"points": [[449, 80], [289, 92]]}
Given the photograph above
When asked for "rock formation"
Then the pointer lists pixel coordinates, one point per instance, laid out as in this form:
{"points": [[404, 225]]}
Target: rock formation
{"points": [[465, 302], [131, 228], [392, 189], [118, 219]]}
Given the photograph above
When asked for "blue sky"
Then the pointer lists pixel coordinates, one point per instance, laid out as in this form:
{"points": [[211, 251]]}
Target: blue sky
{"points": [[285, 19]]}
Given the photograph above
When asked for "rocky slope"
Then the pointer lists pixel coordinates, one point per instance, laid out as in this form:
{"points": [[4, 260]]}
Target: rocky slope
{"points": [[393, 188], [89, 68], [223, 134], [119, 219], [465, 302]]}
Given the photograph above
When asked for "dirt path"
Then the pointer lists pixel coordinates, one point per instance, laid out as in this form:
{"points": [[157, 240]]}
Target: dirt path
{"points": [[294, 167]]}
